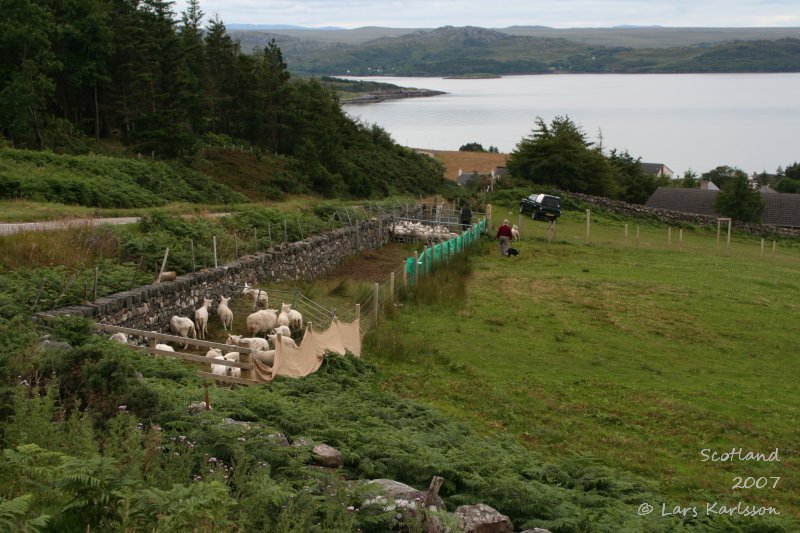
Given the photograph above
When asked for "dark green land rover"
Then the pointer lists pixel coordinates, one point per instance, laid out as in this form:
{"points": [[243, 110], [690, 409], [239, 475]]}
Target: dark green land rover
{"points": [[541, 206]]}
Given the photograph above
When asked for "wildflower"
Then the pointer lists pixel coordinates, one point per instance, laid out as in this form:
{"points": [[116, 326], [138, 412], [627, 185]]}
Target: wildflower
{"points": [[212, 460], [122, 407]]}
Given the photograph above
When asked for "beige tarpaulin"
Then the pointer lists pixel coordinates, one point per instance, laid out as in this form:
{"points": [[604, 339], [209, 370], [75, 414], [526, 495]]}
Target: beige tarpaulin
{"points": [[340, 337]]}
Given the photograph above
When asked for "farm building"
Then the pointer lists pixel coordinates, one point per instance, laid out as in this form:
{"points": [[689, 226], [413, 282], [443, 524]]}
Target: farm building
{"points": [[780, 209]]}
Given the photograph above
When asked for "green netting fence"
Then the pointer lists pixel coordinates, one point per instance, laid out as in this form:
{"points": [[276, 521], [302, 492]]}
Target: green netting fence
{"points": [[422, 263]]}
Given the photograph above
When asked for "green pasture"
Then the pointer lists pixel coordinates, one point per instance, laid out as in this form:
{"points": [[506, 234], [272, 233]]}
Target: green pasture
{"points": [[638, 353]]}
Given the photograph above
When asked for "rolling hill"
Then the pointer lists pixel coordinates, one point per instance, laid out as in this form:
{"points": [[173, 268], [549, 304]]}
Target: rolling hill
{"points": [[467, 51]]}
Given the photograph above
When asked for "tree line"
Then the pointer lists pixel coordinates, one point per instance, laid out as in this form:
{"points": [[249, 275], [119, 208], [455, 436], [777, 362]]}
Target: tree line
{"points": [[74, 72]]}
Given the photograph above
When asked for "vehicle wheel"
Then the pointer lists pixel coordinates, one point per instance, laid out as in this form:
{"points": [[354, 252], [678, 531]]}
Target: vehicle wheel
{"points": [[521, 210], [533, 215]]}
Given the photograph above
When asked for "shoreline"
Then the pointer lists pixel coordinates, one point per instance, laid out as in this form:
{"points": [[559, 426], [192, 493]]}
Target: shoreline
{"points": [[382, 96]]}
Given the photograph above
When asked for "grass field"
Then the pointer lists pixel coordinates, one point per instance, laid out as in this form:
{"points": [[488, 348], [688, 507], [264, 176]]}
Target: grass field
{"points": [[641, 354]]}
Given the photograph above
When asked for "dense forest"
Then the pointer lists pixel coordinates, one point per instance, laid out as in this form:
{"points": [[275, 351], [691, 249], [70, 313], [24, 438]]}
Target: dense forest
{"points": [[80, 75]]}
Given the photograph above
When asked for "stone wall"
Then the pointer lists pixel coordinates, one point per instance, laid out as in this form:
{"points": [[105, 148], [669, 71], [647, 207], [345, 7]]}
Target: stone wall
{"points": [[150, 307], [677, 218]]}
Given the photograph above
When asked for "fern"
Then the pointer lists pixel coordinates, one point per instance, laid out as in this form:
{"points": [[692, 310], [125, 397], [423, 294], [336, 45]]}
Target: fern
{"points": [[12, 515]]}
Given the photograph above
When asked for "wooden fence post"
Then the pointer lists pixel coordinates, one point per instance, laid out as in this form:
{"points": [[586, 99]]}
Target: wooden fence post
{"points": [[637, 236], [163, 265], [391, 289], [680, 239], [762, 247], [191, 241], [588, 223], [94, 290], [214, 243], [416, 267], [669, 236], [405, 275], [358, 311]]}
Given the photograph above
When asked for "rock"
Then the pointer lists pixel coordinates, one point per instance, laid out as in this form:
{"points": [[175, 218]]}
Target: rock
{"points": [[232, 422], [327, 456], [278, 439], [396, 495], [302, 442], [197, 407], [58, 346], [482, 518]]}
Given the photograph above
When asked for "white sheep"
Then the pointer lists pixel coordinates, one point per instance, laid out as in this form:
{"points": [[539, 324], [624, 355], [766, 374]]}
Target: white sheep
{"points": [[119, 337], [266, 357], [283, 317], [261, 321], [283, 330], [257, 343], [287, 341], [514, 233], [232, 370], [182, 326], [217, 370], [256, 294], [201, 318], [165, 347], [295, 319], [224, 313]]}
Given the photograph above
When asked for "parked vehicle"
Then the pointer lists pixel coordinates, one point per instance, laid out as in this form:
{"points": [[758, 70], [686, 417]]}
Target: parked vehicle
{"points": [[542, 206]]}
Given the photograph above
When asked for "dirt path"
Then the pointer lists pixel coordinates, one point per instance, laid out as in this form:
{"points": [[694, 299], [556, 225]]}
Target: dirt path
{"points": [[10, 229], [372, 265]]}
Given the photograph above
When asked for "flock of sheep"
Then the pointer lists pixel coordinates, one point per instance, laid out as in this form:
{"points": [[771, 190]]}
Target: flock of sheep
{"points": [[270, 322], [407, 230]]}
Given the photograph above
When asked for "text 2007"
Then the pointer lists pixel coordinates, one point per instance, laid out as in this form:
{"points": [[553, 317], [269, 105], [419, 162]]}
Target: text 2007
{"points": [[755, 482]]}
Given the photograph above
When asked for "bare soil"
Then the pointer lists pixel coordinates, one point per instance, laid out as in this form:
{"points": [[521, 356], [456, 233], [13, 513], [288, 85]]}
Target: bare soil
{"points": [[373, 265]]}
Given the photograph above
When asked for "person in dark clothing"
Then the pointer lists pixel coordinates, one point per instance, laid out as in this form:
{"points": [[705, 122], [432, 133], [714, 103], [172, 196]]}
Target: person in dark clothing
{"points": [[465, 217], [504, 236]]}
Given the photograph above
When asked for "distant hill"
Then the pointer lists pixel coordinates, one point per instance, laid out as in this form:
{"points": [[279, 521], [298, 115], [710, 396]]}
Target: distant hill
{"points": [[532, 49]]}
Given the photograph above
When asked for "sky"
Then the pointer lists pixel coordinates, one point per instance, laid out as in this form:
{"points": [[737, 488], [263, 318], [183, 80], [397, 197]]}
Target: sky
{"points": [[553, 13]]}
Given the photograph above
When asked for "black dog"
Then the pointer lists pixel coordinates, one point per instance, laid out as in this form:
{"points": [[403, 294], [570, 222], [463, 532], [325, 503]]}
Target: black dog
{"points": [[512, 251]]}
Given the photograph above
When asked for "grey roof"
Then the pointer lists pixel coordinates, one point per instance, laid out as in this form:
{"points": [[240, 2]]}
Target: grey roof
{"points": [[709, 186], [654, 168], [780, 209], [766, 189], [465, 177], [695, 201]]}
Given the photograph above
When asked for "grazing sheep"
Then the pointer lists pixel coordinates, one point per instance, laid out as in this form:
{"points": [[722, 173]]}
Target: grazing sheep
{"points": [[283, 317], [224, 313], [266, 357], [261, 321], [255, 294], [182, 326], [165, 347], [514, 233], [287, 341], [232, 356], [283, 330], [201, 318], [119, 337], [257, 343]]}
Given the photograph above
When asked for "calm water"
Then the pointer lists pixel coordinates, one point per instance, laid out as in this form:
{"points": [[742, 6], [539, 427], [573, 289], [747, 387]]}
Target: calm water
{"points": [[697, 121]]}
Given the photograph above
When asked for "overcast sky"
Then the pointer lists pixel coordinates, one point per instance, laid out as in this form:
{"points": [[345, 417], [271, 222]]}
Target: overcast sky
{"points": [[488, 14]]}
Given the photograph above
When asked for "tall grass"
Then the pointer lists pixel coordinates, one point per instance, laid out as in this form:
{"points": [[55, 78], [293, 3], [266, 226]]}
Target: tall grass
{"points": [[640, 355]]}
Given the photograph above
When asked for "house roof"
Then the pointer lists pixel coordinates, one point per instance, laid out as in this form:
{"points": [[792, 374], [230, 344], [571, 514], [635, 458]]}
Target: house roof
{"points": [[651, 168], [695, 201], [780, 209]]}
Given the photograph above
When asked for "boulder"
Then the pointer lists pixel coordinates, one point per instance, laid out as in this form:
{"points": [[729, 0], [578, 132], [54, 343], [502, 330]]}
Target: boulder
{"points": [[197, 407], [302, 442], [482, 518], [327, 456], [395, 495], [48, 344]]}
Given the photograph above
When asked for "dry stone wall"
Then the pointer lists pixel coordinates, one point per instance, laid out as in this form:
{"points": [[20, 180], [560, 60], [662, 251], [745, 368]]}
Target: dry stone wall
{"points": [[151, 306]]}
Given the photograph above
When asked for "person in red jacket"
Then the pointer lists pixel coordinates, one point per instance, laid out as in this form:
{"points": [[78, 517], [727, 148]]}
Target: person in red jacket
{"points": [[504, 236]]}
